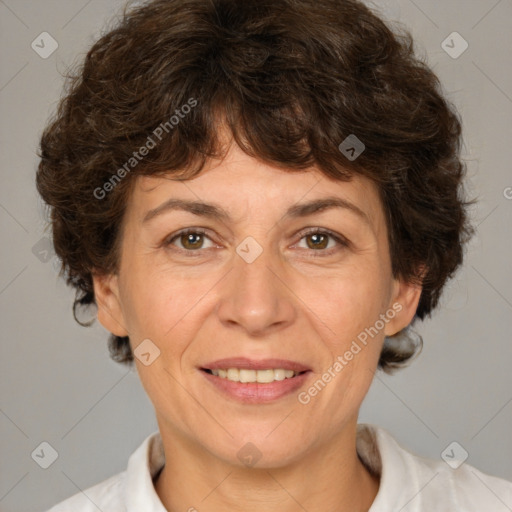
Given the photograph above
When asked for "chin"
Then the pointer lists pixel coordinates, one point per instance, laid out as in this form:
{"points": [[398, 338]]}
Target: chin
{"points": [[261, 448]]}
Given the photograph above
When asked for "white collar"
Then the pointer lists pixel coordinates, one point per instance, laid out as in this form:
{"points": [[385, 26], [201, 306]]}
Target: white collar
{"points": [[148, 460], [407, 481]]}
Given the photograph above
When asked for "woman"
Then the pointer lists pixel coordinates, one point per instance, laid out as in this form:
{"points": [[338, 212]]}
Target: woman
{"points": [[260, 197]]}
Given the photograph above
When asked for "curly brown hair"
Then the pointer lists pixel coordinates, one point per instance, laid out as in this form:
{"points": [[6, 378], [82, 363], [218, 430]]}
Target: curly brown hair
{"points": [[291, 79]]}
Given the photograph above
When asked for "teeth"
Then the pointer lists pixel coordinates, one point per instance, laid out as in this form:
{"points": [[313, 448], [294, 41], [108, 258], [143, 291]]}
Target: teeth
{"points": [[232, 374], [280, 374], [261, 376], [265, 376], [247, 375]]}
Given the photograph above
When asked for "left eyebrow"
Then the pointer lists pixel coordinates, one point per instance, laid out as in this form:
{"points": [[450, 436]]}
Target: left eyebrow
{"points": [[326, 203], [214, 211]]}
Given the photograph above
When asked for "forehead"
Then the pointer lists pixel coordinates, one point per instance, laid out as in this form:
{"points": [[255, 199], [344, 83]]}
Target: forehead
{"points": [[243, 185]]}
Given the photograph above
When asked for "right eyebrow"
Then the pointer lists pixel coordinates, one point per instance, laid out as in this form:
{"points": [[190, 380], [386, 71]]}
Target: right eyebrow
{"points": [[196, 207]]}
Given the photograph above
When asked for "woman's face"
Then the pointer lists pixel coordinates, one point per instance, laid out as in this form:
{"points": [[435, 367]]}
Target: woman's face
{"points": [[255, 283]]}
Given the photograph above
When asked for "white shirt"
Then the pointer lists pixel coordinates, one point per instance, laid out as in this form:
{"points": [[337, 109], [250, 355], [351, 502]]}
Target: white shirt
{"points": [[408, 483]]}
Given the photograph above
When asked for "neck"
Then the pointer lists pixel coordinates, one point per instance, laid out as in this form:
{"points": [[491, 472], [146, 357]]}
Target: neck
{"points": [[329, 478]]}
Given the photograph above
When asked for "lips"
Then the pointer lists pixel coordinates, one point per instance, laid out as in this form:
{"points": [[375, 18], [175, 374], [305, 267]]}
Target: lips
{"points": [[244, 363], [256, 381]]}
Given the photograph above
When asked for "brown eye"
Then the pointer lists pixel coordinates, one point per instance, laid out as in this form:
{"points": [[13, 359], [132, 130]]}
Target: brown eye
{"points": [[318, 241], [191, 240]]}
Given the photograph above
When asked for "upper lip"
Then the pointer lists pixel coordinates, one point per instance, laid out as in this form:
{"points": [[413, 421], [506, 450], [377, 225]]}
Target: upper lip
{"points": [[245, 363]]}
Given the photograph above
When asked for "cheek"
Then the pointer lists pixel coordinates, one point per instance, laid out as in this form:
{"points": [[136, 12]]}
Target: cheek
{"points": [[349, 302], [349, 307], [159, 308], [157, 305], [144, 301], [358, 301]]}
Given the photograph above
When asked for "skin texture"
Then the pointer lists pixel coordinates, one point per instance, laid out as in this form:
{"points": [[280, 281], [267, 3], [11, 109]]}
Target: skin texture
{"points": [[286, 304]]}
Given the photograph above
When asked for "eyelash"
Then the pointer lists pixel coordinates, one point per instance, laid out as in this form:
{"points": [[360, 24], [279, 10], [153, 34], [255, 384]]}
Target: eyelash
{"points": [[312, 231]]}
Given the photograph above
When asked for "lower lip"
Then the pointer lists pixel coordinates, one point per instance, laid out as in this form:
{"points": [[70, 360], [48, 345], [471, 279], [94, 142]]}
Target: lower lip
{"points": [[256, 392]]}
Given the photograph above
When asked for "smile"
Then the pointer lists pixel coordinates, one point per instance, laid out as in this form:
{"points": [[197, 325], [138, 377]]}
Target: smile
{"points": [[261, 376], [253, 381]]}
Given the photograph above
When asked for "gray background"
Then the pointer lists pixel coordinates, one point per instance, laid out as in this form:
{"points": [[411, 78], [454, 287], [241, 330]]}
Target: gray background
{"points": [[57, 382]]}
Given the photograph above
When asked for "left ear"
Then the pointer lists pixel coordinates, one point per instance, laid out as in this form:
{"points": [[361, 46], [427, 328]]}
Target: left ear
{"points": [[404, 302]]}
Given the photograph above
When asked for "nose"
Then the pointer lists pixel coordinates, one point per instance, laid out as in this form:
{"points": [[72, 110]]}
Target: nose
{"points": [[256, 297]]}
